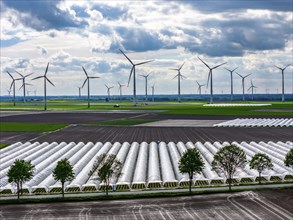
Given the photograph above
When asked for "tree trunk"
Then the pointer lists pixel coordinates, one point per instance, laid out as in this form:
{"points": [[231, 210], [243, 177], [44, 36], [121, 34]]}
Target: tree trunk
{"points": [[259, 177], [62, 189], [229, 182], [107, 185], [190, 182], [17, 190], [21, 187]]}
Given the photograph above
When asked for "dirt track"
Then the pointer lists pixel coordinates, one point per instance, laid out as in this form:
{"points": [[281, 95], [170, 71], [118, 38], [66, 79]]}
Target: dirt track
{"points": [[269, 205]]}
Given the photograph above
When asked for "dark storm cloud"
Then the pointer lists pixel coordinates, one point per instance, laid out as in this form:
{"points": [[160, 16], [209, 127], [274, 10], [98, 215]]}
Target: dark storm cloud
{"points": [[44, 15], [211, 6]]}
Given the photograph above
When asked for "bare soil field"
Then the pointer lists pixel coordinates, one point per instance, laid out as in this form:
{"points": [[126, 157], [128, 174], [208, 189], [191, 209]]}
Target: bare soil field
{"points": [[268, 205], [139, 134]]}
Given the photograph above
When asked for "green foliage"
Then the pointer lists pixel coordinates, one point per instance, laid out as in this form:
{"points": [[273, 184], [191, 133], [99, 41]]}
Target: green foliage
{"points": [[29, 127], [191, 163], [289, 158], [105, 167], [20, 172], [3, 145], [63, 172], [227, 160], [260, 162]]}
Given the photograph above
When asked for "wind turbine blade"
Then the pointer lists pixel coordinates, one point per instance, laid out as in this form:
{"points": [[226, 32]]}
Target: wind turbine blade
{"points": [[106, 86], [287, 66], [204, 63], [37, 77], [111, 87], [149, 74], [144, 62], [84, 71], [239, 75], [181, 66], [228, 69], [10, 75], [208, 79], [247, 75], [84, 82], [28, 74], [47, 69], [19, 74], [215, 67], [94, 77], [21, 86], [11, 85], [174, 69], [49, 81], [28, 84], [197, 83], [175, 76], [234, 69], [249, 88], [126, 57], [130, 75], [278, 67], [119, 83], [183, 77]]}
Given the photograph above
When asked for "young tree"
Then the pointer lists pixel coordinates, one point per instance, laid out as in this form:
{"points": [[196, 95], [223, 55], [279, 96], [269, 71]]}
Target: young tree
{"points": [[105, 167], [191, 163], [20, 172], [63, 172], [289, 158], [227, 160], [260, 162]]}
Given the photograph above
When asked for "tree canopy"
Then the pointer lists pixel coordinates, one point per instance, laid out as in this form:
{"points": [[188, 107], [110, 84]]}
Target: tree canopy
{"points": [[63, 172], [191, 163], [289, 158], [20, 172], [227, 160], [260, 162]]}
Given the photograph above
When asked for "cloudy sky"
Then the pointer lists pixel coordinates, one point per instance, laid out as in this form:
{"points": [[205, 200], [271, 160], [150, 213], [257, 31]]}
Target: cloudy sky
{"points": [[250, 34]]}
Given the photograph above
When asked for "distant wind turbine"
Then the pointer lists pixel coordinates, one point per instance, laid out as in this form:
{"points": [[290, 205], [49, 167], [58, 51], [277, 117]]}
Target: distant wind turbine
{"points": [[79, 91], [210, 77], [231, 74], [9, 92], [146, 85], [45, 85], [12, 85], [120, 89], [23, 83], [283, 87], [179, 76], [133, 71], [153, 92], [243, 78], [88, 85], [108, 91], [251, 88], [199, 87]]}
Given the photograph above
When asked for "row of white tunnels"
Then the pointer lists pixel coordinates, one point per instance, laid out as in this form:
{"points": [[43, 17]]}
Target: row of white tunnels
{"points": [[144, 165], [257, 122]]}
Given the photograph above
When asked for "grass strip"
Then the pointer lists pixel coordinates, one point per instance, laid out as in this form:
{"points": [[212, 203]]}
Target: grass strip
{"points": [[3, 145], [123, 122], [29, 127], [132, 196]]}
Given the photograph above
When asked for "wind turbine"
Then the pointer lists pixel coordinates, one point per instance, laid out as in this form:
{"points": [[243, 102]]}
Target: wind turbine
{"points": [[251, 87], [146, 85], [120, 89], [199, 87], [283, 89], [179, 76], [210, 77], [231, 74], [108, 91], [79, 91], [23, 83], [45, 85], [243, 78], [9, 91], [88, 85], [153, 92], [12, 84], [133, 71]]}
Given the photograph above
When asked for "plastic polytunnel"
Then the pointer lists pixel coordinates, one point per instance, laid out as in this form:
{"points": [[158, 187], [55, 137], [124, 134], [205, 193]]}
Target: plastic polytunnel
{"points": [[154, 176]]}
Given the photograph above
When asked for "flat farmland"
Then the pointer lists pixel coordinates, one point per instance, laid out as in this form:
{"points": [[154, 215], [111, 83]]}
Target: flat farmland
{"points": [[268, 204]]}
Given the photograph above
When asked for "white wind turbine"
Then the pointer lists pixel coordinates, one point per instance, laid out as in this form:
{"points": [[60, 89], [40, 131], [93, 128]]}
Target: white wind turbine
{"points": [[243, 78], [22, 77], [146, 85], [108, 91], [283, 87], [179, 76], [251, 88], [231, 75], [199, 87], [120, 90], [153, 92], [133, 71], [210, 77]]}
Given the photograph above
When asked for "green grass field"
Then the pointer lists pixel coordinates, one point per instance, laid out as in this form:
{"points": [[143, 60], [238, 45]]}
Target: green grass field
{"points": [[29, 127], [186, 108]]}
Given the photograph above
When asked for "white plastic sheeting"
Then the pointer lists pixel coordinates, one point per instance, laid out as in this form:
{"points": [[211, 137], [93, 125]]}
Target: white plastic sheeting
{"points": [[257, 122], [145, 165], [235, 105]]}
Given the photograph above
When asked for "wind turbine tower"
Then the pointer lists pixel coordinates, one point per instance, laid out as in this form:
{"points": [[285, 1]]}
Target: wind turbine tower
{"points": [[23, 83], [146, 85], [210, 77], [120, 89], [79, 91], [251, 87], [133, 71], [179, 76], [243, 78], [153, 92], [108, 91], [12, 85], [45, 85], [88, 85], [283, 87], [231, 75], [199, 87]]}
